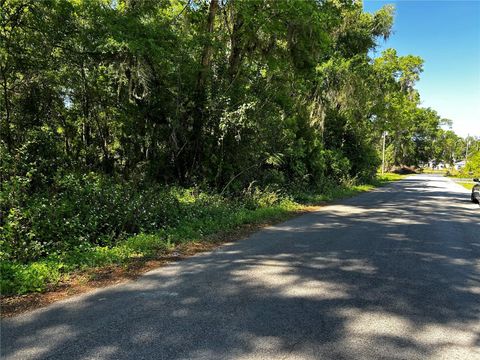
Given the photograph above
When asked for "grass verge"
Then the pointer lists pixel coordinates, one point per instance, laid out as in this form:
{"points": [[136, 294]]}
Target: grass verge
{"points": [[431, 171], [466, 185], [345, 191]]}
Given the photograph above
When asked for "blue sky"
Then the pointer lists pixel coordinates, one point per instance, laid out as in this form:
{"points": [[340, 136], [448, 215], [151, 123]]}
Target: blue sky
{"points": [[446, 34]]}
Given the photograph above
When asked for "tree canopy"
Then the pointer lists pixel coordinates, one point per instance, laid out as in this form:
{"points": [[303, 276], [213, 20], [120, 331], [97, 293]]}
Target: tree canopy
{"points": [[205, 91]]}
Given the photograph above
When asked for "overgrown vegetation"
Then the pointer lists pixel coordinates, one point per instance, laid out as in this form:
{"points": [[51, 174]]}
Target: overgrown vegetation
{"points": [[114, 225], [93, 223], [471, 169], [472, 166], [127, 121]]}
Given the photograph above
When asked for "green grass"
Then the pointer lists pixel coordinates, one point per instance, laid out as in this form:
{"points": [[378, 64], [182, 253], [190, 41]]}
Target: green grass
{"points": [[431, 171], [466, 185], [387, 177], [37, 276], [335, 193], [344, 191]]}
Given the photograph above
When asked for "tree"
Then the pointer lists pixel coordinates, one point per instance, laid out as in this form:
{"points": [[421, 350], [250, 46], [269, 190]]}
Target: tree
{"points": [[205, 92]]}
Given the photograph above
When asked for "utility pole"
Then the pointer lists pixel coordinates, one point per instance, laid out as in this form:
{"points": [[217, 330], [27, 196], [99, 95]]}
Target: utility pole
{"points": [[384, 135], [466, 151]]}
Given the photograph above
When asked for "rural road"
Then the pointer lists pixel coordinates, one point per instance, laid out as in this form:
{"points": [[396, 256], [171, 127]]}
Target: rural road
{"points": [[390, 274]]}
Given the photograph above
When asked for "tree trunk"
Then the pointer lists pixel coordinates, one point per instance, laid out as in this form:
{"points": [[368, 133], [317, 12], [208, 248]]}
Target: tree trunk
{"points": [[198, 113], [8, 133], [235, 57]]}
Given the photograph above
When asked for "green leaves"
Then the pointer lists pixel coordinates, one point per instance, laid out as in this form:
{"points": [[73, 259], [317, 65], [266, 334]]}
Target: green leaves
{"points": [[106, 107]]}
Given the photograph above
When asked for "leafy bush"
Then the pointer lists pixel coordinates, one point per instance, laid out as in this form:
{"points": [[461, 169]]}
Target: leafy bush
{"points": [[255, 197], [91, 210], [337, 166], [82, 210], [472, 167], [22, 278]]}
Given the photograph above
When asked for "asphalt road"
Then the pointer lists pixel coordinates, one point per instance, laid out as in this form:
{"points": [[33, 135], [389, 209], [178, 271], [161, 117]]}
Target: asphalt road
{"points": [[391, 274]]}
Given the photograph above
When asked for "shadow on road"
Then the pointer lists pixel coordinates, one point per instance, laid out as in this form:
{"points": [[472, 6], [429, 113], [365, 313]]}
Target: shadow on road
{"points": [[389, 274]]}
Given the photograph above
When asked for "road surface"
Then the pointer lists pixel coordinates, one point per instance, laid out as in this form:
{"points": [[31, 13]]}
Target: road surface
{"points": [[390, 274]]}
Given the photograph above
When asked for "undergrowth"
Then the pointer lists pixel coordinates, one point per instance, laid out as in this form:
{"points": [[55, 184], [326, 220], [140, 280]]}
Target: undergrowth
{"points": [[92, 224]]}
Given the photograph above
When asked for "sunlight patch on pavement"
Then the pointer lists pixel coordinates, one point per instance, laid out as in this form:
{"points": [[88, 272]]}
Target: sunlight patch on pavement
{"points": [[55, 335], [279, 276], [364, 329], [406, 221], [102, 352], [346, 210]]}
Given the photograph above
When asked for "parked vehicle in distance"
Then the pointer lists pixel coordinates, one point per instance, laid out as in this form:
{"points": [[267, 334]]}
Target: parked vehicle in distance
{"points": [[476, 192]]}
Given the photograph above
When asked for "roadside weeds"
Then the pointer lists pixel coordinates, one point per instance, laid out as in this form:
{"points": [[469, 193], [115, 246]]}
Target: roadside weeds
{"points": [[85, 280]]}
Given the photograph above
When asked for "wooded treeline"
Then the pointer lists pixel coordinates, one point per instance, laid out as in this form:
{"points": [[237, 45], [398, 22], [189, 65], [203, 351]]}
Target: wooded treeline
{"points": [[204, 91]]}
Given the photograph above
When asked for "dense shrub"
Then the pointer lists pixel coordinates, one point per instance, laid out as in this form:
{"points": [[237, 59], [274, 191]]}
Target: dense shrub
{"points": [[472, 168], [81, 209], [89, 221], [95, 210]]}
